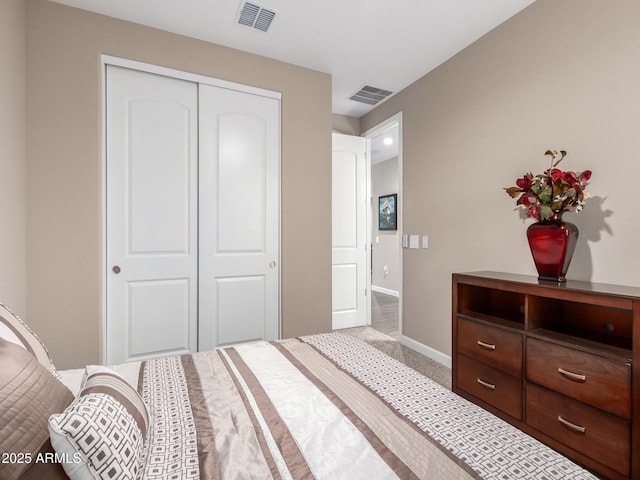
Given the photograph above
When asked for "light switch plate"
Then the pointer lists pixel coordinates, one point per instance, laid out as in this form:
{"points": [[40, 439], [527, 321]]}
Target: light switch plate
{"points": [[425, 241], [414, 241], [405, 241]]}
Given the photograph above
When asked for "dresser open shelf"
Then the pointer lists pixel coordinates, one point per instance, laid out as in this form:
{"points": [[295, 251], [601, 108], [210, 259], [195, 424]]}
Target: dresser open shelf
{"points": [[559, 361]]}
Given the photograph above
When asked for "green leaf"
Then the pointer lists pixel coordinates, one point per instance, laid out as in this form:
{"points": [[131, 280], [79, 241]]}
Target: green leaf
{"points": [[546, 212], [545, 195]]}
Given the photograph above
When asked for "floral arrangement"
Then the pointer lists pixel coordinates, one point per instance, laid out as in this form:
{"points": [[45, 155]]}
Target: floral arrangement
{"points": [[552, 192]]}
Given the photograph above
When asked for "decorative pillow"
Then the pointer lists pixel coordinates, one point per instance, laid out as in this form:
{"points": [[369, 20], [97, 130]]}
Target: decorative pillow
{"points": [[106, 427], [14, 330], [100, 379], [29, 394]]}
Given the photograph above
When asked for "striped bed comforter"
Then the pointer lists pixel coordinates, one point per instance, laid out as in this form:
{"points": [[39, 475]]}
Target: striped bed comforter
{"points": [[324, 406]]}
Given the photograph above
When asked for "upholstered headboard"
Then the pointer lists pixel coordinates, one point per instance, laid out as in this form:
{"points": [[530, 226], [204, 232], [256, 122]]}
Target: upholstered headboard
{"points": [[29, 394]]}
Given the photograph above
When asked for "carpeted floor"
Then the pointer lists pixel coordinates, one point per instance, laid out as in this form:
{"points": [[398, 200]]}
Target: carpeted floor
{"points": [[392, 347]]}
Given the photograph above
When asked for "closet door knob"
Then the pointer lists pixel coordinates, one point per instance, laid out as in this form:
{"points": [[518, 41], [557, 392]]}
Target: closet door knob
{"points": [[272, 264], [116, 269]]}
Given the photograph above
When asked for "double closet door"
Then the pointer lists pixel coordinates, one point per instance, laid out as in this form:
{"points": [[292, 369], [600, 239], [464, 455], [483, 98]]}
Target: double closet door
{"points": [[192, 215]]}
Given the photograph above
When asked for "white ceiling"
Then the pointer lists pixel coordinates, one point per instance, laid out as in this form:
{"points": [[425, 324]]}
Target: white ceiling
{"points": [[385, 145], [382, 43]]}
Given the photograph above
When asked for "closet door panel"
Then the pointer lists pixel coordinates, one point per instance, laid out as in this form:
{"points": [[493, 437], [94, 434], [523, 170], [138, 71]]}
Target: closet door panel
{"points": [[239, 217], [241, 183], [158, 302], [151, 215], [158, 171], [239, 318]]}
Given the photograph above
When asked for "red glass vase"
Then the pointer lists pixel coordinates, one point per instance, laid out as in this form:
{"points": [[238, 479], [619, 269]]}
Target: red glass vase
{"points": [[552, 243]]}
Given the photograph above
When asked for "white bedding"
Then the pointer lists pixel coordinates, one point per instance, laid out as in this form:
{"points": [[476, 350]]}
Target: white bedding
{"points": [[73, 378]]}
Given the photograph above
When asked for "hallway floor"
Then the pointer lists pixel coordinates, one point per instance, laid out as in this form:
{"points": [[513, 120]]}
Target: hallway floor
{"points": [[385, 310]]}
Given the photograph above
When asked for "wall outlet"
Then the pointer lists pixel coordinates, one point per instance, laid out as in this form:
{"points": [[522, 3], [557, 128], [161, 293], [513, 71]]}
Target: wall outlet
{"points": [[425, 241]]}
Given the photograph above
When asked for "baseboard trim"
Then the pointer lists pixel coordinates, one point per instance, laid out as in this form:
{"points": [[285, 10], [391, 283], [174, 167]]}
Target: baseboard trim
{"points": [[386, 291], [429, 352]]}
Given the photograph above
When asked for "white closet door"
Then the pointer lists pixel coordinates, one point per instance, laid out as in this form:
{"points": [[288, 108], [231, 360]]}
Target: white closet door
{"points": [[151, 214], [239, 217]]}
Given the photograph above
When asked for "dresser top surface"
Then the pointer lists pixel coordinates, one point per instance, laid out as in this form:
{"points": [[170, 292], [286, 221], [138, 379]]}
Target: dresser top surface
{"points": [[569, 285]]}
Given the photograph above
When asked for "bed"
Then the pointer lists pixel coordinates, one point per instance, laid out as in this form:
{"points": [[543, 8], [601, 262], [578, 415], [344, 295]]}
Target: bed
{"points": [[325, 406]]}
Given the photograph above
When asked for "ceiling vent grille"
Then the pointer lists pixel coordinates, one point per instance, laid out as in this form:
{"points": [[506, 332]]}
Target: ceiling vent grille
{"points": [[255, 16], [370, 95]]}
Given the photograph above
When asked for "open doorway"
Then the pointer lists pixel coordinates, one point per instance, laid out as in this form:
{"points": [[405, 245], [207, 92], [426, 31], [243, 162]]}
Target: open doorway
{"points": [[386, 226]]}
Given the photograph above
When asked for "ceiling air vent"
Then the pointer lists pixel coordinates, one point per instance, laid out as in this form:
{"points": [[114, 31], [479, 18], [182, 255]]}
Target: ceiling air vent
{"points": [[255, 16], [370, 95]]}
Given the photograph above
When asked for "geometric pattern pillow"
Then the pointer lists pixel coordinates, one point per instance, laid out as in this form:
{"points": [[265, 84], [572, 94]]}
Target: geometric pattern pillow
{"points": [[105, 429], [99, 379], [14, 330], [98, 431]]}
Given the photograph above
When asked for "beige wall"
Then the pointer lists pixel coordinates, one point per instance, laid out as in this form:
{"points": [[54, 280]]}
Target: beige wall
{"points": [[345, 124], [561, 74], [64, 209], [12, 155]]}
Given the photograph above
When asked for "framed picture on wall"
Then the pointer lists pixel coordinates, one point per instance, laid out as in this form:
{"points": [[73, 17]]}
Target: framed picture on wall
{"points": [[387, 212]]}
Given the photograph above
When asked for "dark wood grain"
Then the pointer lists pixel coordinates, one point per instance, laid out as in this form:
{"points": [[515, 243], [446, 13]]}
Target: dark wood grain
{"points": [[605, 437], [606, 384], [506, 394], [475, 338]]}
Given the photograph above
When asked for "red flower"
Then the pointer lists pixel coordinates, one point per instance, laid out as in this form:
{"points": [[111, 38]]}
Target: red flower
{"points": [[528, 199], [555, 174], [525, 182], [533, 212], [585, 176], [570, 178]]}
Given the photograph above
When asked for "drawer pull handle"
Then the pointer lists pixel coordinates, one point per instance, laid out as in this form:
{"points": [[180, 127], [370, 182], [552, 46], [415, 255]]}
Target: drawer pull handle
{"points": [[490, 386], [572, 426], [571, 375], [488, 346]]}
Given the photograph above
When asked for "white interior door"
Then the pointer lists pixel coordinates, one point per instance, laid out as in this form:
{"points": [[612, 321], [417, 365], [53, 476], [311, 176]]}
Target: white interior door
{"points": [[239, 217], [151, 215], [349, 227]]}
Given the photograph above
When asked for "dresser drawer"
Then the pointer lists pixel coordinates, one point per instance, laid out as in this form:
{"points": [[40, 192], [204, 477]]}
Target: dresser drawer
{"points": [[491, 385], [491, 345], [592, 379], [594, 433]]}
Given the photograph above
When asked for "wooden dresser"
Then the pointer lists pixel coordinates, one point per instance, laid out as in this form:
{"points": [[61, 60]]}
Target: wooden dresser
{"points": [[555, 360]]}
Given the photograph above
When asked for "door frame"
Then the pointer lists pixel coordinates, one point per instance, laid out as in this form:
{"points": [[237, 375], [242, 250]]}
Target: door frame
{"points": [[369, 134], [181, 75]]}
